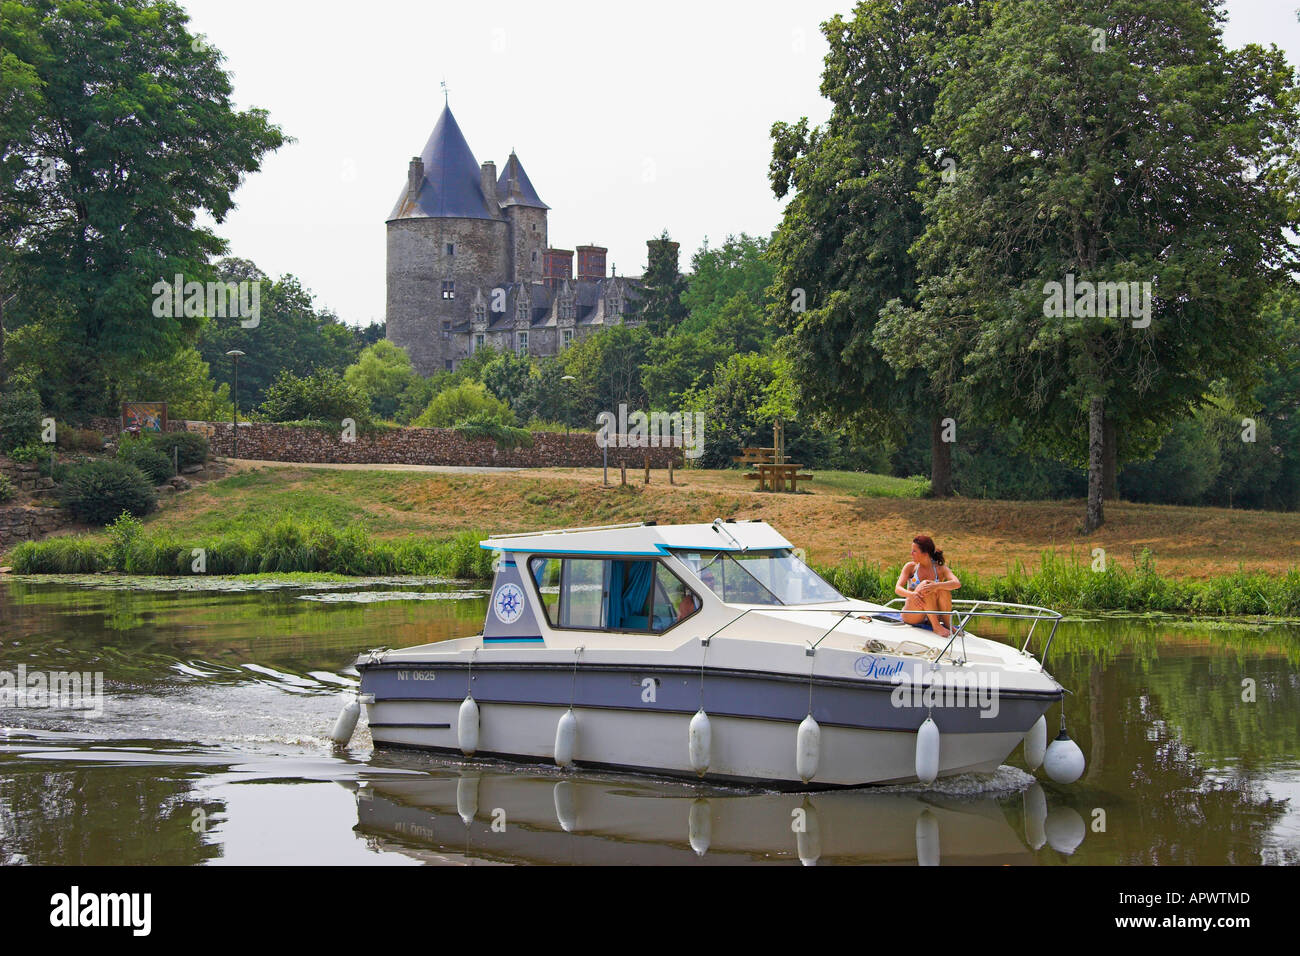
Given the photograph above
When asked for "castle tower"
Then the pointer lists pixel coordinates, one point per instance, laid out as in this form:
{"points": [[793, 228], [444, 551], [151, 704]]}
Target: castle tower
{"points": [[526, 214], [448, 236]]}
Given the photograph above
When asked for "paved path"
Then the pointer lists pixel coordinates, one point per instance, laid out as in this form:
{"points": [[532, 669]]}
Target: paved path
{"points": [[348, 466]]}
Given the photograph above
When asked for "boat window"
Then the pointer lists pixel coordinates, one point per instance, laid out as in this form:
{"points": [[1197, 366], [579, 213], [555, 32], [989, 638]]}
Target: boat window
{"points": [[611, 594], [759, 577]]}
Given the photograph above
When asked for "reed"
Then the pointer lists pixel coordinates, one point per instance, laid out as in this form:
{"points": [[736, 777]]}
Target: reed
{"points": [[1071, 583], [286, 546]]}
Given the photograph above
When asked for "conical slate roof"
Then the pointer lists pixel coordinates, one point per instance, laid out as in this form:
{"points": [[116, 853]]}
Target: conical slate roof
{"points": [[452, 186], [526, 195]]}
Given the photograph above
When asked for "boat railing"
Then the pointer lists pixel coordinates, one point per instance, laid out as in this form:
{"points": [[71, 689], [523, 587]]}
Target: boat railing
{"points": [[962, 611]]}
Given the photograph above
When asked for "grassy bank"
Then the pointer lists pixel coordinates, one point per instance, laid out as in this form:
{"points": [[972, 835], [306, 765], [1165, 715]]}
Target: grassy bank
{"points": [[359, 521], [1067, 583]]}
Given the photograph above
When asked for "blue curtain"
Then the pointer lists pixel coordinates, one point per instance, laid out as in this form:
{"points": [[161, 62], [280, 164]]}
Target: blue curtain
{"points": [[639, 575]]}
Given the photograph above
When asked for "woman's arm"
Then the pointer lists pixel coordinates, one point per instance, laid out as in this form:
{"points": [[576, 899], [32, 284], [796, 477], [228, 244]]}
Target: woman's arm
{"points": [[948, 581], [900, 588]]}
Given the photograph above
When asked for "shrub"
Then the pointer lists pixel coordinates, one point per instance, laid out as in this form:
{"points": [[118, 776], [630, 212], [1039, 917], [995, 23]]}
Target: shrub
{"points": [[142, 453], [323, 395], [99, 491], [7, 489], [192, 448], [79, 439], [30, 453], [467, 402], [20, 418], [506, 436]]}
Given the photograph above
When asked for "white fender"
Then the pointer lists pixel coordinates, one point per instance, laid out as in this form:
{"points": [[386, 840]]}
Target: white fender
{"points": [[1065, 830], [1035, 816], [566, 738], [927, 839], [566, 806], [1064, 760], [467, 797], [699, 826], [467, 726], [1036, 744], [347, 721], [808, 748], [808, 841], [927, 751], [701, 741]]}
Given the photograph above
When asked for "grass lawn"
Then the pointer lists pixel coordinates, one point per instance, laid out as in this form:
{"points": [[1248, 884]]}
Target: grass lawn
{"points": [[843, 516]]}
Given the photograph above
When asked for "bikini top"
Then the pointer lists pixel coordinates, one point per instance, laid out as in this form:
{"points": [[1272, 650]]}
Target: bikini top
{"points": [[917, 580]]}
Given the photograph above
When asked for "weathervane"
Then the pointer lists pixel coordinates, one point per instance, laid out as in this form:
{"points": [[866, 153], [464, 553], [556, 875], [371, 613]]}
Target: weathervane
{"points": [[445, 91]]}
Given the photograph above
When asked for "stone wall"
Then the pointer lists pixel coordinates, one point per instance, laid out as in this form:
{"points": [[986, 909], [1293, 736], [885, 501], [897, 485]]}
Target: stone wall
{"points": [[18, 523], [413, 446]]}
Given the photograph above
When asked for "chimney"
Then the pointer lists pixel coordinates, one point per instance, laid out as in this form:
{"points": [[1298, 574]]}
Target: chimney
{"points": [[414, 177], [557, 266], [488, 180], [591, 263]]}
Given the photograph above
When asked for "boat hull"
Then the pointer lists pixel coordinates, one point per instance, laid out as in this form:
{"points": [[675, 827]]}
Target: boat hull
{"points": [[638, 718]]}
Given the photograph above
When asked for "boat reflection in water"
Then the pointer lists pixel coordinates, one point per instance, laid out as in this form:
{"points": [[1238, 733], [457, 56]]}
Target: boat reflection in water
{"points": [[478, 814]]}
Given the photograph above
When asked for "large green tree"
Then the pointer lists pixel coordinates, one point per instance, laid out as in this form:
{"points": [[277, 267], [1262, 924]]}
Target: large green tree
{"points": [[129, 134], [844, 247], [291, 334], [1100, 141]]}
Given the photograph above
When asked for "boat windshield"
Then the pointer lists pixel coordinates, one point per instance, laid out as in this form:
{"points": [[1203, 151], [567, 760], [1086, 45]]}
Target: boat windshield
{"points": [[759, 577]]}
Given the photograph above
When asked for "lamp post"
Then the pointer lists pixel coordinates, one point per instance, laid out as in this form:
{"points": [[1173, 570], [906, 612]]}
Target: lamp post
{"points": [[236, 355], [567, 409]]}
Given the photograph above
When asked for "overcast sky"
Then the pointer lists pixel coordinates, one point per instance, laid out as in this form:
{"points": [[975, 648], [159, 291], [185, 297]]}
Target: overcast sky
{"points": [[629, 118]]}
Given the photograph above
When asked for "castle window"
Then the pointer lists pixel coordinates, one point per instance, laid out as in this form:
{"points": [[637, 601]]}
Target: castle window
{"points": [[446, 330], [480, 340], [448, 289], [612, 305], [534, 256], [566, 337], [448, 365], [451, 248], [521, 343]]}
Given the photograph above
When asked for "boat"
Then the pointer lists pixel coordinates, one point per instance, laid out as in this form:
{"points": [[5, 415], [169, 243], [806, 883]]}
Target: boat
{"points": [[713, 652]]}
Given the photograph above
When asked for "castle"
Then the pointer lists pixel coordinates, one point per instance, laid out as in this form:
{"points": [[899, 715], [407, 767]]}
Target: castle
{"points": [[469, 264]]}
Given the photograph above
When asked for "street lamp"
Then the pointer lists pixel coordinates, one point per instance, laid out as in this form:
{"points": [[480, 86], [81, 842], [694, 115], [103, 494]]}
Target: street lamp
{"points": [[236, 355], [567, 410]]}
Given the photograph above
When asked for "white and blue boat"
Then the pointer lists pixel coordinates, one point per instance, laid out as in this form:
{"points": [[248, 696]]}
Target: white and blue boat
{"points": [[711, 651]]}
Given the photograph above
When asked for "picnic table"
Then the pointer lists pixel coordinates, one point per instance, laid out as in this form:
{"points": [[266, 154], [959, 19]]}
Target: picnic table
{"points": [[774, 476]]}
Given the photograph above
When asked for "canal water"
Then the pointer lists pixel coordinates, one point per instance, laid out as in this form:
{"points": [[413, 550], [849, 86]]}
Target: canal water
{"points": [[217, 698]]}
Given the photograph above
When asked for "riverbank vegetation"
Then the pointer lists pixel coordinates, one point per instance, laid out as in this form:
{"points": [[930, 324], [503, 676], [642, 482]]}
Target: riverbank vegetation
{"points": [[1071, 584], [287, 546], [855, 530]]}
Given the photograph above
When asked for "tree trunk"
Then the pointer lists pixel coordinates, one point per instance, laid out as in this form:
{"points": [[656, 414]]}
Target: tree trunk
{"points": [[1096, 416], [1109, 459], [940, 460], [3, 302]]}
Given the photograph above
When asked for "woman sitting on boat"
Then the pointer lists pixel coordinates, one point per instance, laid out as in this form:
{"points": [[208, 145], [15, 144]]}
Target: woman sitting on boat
{"points": [[927, 584]]}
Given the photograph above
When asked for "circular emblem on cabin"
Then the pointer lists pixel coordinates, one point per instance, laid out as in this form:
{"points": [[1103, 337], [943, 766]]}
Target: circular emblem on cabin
{"points": [[508, 603]]}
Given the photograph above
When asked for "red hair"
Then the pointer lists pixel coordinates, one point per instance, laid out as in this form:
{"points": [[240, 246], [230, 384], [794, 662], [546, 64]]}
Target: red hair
{"points": [[926, 544]]}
